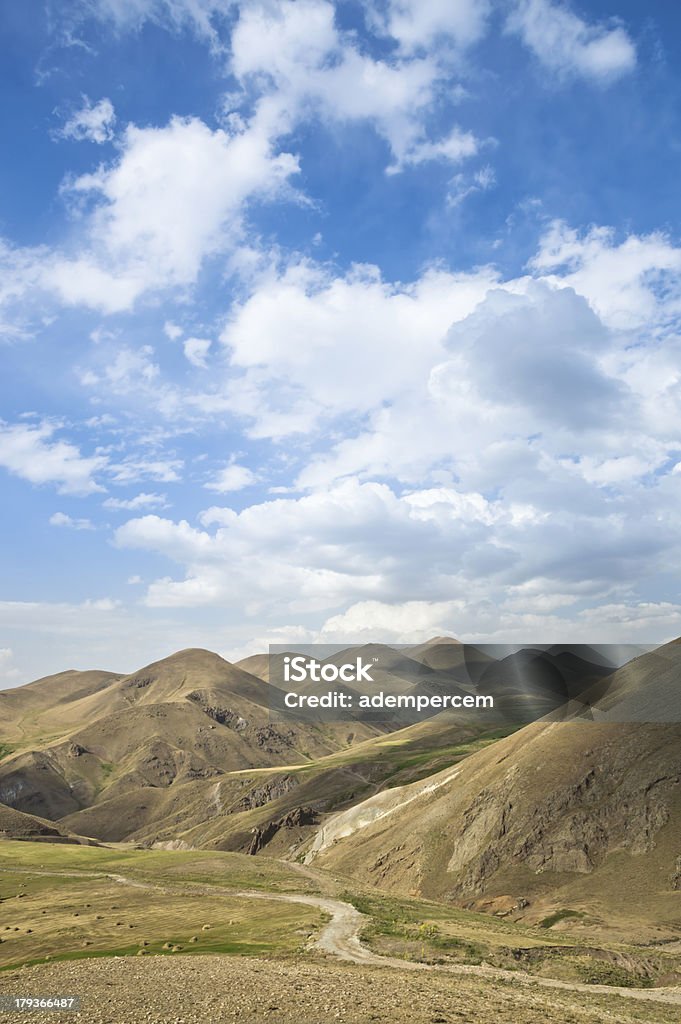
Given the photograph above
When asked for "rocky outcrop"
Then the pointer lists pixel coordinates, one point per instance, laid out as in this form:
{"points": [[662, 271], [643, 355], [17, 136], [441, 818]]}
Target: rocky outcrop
{"points": [[675, 877], [273, 740], [219, 713], [264, 794], [295, 818]]}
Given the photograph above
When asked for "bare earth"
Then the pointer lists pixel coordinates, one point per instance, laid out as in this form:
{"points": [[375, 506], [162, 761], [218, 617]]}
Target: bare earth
{"points": [[213, 989]]}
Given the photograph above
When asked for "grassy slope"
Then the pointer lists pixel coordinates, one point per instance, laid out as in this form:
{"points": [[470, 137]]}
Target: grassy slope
{"points": [[174, 895], [55, 899]]}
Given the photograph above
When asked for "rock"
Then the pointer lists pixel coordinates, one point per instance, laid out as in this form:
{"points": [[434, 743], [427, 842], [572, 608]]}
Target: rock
{"points": [[294, 818]]}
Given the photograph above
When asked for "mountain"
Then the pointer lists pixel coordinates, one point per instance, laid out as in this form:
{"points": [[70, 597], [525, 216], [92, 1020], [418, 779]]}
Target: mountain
{"points": [[578, 815], [533, 682], [113, 755], [257, 664], [28, 710]]}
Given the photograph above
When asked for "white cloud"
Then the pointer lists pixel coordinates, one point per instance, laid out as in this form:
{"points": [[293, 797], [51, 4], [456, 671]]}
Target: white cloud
{"points": [[312, 345], [630, 284], [232, 478], [568, 45], [464, 185], [314, 69], [513, 621], [174, 196], [31, 452], [405, 622], [142, 500], [417, 24], [130, 15], [92, 122], [61, 519], [365, 542], [20, 276], [172, 330], [133, 469], [129, 368], [177, 195], [196, 351]]}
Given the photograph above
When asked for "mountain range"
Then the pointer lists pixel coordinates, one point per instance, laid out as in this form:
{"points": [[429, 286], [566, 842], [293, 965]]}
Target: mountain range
{"points": [[519, 820]]}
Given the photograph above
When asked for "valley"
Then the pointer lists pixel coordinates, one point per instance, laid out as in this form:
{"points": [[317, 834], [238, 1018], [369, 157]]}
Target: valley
{"points": [[168, 813]]}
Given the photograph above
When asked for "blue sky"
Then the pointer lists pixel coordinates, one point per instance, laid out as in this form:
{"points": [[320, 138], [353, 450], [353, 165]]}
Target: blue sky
{"points": [[333, 322]]}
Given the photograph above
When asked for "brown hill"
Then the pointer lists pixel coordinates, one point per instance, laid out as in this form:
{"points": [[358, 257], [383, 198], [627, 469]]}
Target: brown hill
{"points": [[17, 825], [257, 664], [579, 815], [29, 710], [101, 749]]}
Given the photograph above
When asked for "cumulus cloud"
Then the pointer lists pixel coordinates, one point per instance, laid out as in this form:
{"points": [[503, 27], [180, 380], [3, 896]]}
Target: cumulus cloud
{"points": [[632, 283], [365, 541], [178, 194], [232, 478], [62, 519], [92, 122], [513, 620], [32, 452], [417, 24], [196, 351], [172, 331], [312, 67], [174, 196], [523, 443], [566, 44], [311, 345], [538, 354]]}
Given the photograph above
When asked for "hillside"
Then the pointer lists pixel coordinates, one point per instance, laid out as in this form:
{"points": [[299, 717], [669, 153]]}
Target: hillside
{"points": [[17, 825], [577, 816], [113, 754]]}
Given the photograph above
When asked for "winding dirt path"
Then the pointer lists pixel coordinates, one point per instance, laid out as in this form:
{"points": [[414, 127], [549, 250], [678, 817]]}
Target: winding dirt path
{"points": [[340, 937]]}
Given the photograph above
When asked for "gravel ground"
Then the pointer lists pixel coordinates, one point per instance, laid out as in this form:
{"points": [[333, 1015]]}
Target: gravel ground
{"points": [[217, 989]]}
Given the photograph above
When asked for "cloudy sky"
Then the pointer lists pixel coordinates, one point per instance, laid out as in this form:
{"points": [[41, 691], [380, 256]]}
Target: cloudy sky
{"points": [[338, 321]]}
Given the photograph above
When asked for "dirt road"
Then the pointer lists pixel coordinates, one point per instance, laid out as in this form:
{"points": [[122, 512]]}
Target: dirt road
{"points": [[341, 937]]}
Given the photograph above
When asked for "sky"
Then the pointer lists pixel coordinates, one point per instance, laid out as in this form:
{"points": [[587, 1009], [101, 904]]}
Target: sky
{"points": [[330, 322]]}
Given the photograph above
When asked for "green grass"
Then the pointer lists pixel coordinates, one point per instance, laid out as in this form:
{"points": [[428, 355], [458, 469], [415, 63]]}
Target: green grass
{"points": [[186, 890], [214, 948], [418, 930], [55, 898], [599, 972], [6, 749], [559, 915], [228, 870]]}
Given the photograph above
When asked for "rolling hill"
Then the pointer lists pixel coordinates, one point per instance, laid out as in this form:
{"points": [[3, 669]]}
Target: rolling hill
{"points": [[581, 817], [577, 818]]}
